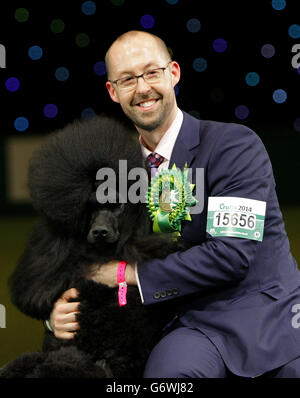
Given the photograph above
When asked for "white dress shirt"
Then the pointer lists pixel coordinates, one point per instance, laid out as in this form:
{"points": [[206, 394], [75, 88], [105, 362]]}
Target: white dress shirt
{"points": [[164, 148]]}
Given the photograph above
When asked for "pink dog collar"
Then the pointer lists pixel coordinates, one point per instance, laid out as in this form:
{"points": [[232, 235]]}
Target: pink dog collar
{"points": [[122, 283]]}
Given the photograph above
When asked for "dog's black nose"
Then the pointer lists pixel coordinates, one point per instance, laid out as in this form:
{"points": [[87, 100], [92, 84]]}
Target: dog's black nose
{"points": [[99, 231]]}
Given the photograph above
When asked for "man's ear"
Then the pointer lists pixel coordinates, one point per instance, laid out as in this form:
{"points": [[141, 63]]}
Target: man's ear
{"points": [[175, 71], [112, 92]]}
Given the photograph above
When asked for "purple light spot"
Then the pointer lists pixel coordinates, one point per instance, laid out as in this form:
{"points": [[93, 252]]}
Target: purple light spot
{"points": [[242, 112], [297, 124], [12, 84], [50, 110], [267, 50], [147, 21], [220, 45], [100, 68], [298, 70]]}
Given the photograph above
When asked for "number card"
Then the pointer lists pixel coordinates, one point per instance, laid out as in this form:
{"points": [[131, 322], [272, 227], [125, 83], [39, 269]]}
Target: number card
{"points": [[236, 217]]}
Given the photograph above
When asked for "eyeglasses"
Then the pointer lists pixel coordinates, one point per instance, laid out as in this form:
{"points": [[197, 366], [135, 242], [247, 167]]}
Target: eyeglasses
{"points": [[130, 82]]}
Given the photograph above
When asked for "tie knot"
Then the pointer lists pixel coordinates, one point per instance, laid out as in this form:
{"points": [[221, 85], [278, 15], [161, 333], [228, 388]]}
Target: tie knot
{"points": [[154, 160]]}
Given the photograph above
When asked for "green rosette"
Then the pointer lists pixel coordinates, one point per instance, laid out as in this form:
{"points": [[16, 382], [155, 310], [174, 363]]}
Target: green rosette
{"points": [[168, 200]]}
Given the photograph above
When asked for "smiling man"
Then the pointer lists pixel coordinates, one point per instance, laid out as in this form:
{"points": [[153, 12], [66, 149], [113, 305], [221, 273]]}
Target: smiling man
{"points": [[238, 286], [142, 79]]}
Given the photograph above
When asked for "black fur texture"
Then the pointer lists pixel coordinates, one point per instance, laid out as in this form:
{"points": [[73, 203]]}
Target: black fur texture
{"points": [[74, 234]]}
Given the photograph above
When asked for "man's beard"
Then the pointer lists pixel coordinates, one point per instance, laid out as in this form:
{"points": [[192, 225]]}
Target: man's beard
{"points": [[142, 123], [148, 126]]}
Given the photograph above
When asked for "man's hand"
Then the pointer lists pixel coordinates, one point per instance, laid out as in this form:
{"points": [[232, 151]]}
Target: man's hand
{"points": [[107, 274], [63, 317]]}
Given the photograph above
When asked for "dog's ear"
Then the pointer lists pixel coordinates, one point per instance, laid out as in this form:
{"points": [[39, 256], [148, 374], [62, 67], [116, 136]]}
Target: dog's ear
{"points": [[133, 222]]}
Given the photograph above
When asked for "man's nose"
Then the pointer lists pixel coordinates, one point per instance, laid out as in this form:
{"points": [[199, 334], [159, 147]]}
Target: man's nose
{"points": [[142, 86]]}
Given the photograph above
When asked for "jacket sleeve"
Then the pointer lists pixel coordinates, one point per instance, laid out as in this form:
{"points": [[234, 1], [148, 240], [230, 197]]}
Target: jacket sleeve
{"points": [[238, 166]]}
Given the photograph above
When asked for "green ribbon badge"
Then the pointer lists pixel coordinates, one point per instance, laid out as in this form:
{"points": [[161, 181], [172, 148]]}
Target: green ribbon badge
{"points": [[168, 199]]}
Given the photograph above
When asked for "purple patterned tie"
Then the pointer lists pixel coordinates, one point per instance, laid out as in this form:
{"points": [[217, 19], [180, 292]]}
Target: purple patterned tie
{"points": [[153, 161]]}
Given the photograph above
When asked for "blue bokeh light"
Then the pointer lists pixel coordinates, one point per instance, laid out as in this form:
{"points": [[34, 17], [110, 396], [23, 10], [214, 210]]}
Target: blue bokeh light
{"points": [[279, 96], [193, 25], [200, 64], [21, 123], [35, 52], [88, 8], [252, 79], [278, 5], [294, 31], [62, 74]]}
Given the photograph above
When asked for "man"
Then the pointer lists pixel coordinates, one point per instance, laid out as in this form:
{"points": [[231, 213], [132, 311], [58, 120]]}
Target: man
{"points": [[239, 296]]}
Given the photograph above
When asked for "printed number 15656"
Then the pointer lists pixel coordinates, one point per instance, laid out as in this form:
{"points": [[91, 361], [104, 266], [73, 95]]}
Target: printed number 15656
{"points": [[238, 220]]}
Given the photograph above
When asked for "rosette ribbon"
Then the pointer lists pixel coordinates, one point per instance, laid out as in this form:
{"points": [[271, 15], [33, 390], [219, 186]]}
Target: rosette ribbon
{"points": [[168, 199]]}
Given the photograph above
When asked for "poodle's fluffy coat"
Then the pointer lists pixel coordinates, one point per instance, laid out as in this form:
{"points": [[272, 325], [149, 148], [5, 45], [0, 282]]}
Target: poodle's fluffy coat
{"points": [[111, 341]]}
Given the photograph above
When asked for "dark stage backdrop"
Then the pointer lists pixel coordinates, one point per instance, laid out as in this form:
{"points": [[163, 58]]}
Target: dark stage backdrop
{"points": [[240, 63]]}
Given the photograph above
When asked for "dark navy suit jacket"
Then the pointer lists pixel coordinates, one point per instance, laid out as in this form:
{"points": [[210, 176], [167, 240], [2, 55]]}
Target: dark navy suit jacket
{"points": [[240, 293]]}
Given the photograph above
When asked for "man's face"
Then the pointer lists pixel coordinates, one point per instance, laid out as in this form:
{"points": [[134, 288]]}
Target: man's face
{"points": [[147, 105]]}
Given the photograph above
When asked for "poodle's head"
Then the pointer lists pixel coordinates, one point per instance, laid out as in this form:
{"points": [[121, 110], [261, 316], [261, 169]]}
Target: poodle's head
{"points": [[105, 224], [113, 223], [63, 173]]}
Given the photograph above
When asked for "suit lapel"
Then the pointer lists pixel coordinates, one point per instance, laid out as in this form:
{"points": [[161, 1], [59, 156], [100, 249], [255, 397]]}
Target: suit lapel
{"points": [[188, 139]]}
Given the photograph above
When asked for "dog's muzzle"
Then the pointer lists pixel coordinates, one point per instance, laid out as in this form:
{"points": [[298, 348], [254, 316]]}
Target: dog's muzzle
{"points": [[103, 233]]}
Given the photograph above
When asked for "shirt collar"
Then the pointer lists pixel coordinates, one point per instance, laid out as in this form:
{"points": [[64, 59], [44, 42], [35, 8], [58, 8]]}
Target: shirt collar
{"points": [[167, 142]]}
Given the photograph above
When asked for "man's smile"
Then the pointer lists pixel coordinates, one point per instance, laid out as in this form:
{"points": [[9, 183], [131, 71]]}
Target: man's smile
{"points": [[148, 104]]}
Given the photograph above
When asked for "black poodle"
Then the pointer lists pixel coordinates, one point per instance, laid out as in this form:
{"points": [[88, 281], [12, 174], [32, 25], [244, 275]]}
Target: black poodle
{"points": [[75, 236]]}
